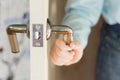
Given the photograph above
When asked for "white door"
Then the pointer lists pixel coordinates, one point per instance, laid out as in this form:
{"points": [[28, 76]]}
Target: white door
{"points": [[38, 43]]}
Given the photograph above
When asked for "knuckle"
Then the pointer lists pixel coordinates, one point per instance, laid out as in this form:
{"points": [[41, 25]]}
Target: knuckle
{"points": [[57, 41], [59, 63]]}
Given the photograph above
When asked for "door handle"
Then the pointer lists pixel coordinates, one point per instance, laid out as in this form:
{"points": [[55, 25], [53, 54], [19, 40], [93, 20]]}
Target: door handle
{"points": [[23, 28], [60, 29], [12, 30]]}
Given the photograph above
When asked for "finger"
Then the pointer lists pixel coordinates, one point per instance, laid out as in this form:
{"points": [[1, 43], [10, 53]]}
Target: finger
{"points": [[64, 58], [78, 49], [62, 45], [70, 61], [54, 53], [75, 45], [56, 60], [58, 55], [59, 47], [77, 57]]}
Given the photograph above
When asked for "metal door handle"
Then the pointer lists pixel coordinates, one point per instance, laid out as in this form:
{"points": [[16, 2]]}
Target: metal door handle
{"points": [[59, 29], [12, 30], [23, 28]]}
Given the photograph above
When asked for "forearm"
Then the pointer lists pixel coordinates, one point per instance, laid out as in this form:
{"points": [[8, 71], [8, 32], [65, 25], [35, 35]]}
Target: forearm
{"points": [[81, 15]]}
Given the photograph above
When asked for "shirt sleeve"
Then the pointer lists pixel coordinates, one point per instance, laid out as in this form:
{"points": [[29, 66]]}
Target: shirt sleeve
{"points": [[81, 15]]}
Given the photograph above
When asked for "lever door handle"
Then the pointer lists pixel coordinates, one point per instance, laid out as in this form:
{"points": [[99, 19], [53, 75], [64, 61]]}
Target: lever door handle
{"points": [[11, 31], [23, 28], [59, 29]]}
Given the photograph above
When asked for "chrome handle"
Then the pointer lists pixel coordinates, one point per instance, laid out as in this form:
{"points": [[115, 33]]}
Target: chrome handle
{"points": [[11, 31], [65, 30], [59, 29], [22, 28]]}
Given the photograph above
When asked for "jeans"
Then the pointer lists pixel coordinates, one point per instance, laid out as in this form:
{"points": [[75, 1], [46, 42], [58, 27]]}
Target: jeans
{"points": [[108, 59]]}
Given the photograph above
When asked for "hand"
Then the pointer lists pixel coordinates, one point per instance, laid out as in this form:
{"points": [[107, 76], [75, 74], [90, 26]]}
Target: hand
{"points": [[62, 54]]}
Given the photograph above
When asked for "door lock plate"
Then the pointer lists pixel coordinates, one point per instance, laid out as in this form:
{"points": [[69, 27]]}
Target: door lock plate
{"points": [[37, 35]]}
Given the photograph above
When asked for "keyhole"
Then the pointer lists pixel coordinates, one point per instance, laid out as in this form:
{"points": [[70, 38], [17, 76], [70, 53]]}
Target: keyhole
{"points": [[37, 35]]}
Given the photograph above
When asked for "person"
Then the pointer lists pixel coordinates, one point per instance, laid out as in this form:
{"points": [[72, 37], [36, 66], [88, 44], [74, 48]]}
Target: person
{"points": [[81, 15]]}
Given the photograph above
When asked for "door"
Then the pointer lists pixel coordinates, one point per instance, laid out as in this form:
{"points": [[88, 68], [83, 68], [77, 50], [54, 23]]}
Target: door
{"points": [[38, 47]]}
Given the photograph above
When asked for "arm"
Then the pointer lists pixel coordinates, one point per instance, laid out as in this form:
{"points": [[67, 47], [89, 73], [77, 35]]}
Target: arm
{"points": [[81, 15]]}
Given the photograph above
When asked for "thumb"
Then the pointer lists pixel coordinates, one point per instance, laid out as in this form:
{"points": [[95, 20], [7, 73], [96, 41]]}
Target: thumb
{"points": [[75, 45]]}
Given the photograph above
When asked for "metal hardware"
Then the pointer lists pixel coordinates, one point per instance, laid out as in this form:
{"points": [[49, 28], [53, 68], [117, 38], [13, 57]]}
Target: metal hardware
{"points": [[23, 28], [37, 35], [12, 30], [59, 29]]}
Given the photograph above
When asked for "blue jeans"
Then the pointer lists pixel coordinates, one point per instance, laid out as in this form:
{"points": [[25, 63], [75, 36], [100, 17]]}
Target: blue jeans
{"points": [[108, 59]]}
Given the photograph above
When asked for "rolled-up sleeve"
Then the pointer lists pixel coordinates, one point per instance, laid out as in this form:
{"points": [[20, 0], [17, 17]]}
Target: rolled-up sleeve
{"points": [[81, 15]]}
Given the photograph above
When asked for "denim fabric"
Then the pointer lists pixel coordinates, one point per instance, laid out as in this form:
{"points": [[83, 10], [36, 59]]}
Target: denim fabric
{"points": [[108, 59]]}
